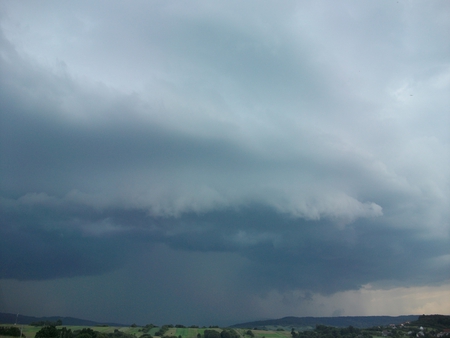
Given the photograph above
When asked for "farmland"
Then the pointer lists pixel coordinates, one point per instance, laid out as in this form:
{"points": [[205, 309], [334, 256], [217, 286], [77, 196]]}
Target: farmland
{"points": [[426, 327], [30, 331]]}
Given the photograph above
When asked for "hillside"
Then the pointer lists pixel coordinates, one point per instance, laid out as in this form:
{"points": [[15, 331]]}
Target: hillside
{"points": [[433, 321], [311, 322], [10, 318], [434, 326]]}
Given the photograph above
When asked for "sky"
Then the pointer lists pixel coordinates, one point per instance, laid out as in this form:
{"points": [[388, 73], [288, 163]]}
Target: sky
{"points": [[217, 162]]}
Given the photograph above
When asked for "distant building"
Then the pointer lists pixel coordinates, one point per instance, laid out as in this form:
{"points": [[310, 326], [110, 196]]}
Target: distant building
{"points": [[444, 333]]}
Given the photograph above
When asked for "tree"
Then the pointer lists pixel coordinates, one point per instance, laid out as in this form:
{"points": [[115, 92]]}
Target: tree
{"points": [[229, 333], [11, 331], [65, 333], [87, 333], [211, 334], [47, 332]]}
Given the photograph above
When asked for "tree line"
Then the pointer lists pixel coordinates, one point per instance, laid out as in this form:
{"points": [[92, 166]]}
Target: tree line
{"points": [[323, 331], [12, 331], [51, 331], [47, 323]]}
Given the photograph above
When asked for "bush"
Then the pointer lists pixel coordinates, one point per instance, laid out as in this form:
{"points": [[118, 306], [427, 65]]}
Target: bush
{"points": [[11, 331], [211, 334], [47, 332]]}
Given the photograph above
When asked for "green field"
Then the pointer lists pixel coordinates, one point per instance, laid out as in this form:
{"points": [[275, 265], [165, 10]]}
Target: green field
{"points": [[271, 334], [175, 332], [30, 331]]}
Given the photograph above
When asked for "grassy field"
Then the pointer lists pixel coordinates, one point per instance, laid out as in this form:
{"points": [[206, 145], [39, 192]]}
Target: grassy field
{"points": [[30, 331], [271, 334]]}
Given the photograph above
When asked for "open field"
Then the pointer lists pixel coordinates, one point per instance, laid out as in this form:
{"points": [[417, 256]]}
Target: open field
{"points": [[270, 334], [429, 325], [30, 331], [192, 333], [185, 332]]}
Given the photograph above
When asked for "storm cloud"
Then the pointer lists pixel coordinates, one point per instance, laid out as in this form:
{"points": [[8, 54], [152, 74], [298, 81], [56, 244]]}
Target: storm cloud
{"points": [[220, 154]]}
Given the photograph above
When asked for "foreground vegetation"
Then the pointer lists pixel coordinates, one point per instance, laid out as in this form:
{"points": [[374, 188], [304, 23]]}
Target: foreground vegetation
{"points": [[425, 327]]}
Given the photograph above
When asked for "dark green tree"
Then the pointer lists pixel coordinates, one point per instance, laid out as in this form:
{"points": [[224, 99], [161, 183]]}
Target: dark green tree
{"points": [[65, 333], [49, 331], [11, 331], [86, 333], [211, 334]]}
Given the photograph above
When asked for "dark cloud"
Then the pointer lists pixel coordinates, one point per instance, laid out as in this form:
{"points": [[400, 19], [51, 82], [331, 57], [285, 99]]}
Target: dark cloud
{"points": [[207, 154], [63, 240]]}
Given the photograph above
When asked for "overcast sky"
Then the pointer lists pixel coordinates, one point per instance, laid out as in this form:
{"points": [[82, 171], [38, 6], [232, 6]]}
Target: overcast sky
{"points": [[211, 162]]}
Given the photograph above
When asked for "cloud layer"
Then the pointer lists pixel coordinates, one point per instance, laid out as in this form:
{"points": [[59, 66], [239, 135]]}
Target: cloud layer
{"points": [[302, 147]]}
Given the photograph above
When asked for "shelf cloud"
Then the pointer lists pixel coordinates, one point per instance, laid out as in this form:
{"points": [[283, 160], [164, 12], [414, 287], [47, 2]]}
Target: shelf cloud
{"points": [[228, 155]]}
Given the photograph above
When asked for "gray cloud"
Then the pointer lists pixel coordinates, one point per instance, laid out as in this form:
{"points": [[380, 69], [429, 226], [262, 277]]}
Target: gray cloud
{"points": [[302, 147]]}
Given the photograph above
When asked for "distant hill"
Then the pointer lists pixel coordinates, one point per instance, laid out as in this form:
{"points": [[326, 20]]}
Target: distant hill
{"points": [[10, 318], [304, 323], [434, 321]]}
